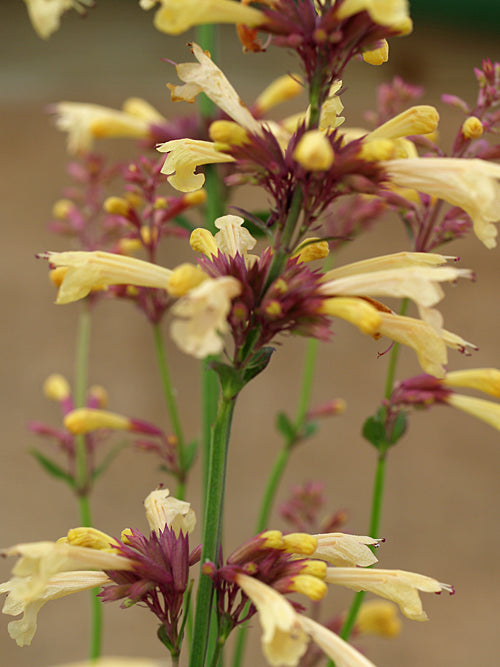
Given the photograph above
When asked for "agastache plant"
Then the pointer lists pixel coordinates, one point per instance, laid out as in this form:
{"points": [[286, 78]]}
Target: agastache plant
{"points": [[254, 278]]}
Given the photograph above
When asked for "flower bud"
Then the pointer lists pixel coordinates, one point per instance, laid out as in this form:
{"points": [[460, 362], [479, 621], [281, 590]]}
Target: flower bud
{"points": [[472, 128], [314, 152]]}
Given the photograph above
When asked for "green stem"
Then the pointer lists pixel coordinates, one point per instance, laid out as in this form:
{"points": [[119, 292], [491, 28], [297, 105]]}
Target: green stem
{"points": [[279, 468], [81, 472], [212, 525], [80, 392], [378, 489], [173, 410]]}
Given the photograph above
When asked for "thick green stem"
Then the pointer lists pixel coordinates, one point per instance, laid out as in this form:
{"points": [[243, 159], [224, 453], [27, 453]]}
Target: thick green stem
{"points": [[173, 410], [212, 525]]}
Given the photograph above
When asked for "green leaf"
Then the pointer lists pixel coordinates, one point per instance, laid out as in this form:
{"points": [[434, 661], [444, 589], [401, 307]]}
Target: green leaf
{"points": [[374, 432], [108, 459], [52, 468], [190, 452], [286, 427], [257, 363], [309, 429], [399, 427], [230, 379]]}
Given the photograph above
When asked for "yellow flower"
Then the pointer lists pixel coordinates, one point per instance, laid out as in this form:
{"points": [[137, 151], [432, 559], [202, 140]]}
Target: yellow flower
{"points": [[85, 420], [204, 76], [177, 16], [283, 88], [378, 617], [486, 380], [86, 271], [184, 156], [472, 185], [314, 152], [393, 14], [283, 640], [163, 509], [397, 585], [57, 586], [342, 549], [285, 633], [377, 56], [45, 15], [232, 239], [86, 122], [487, 411], [202, 316]]}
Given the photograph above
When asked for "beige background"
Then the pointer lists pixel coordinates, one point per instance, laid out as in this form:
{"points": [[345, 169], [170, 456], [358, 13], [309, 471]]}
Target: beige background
{"points": [[441, 509]]}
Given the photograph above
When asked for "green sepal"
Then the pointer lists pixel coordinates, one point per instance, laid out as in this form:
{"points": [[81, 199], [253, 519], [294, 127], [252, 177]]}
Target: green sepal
{"points": [[257, 363], [398, 428], [52, 468], [374, 432], [163, 637], [376, 429], [309, 429]]}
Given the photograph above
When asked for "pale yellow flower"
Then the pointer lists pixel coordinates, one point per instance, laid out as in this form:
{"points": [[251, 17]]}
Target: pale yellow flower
{"points": [[280, 90], [56, 387], [378, 617], [86, 420], [480, 408], [354, 310], [45, 15], [162, 510], [184, 156], [202, 316], [486, 380], [342, 653], [204, 76], [57, 586], [86, 271], [86, 122], [283, 640], [397, 585], [343, 549], [177, 16], [421, 119], [314, 152], [472, 185], [377, 56]]}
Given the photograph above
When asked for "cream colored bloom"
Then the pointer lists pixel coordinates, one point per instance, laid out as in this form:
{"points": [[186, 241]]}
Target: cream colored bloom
{"points": [[176, 16], [57, 586], [204, 76], [233, 238], [356, 311], [86, 122], [86, 271], [184, 156], [397, 585], [472, 185], [342, 653], [342, 549], [202, 316], [283, 639], [421, 119], [45, 15], [162, 510]]}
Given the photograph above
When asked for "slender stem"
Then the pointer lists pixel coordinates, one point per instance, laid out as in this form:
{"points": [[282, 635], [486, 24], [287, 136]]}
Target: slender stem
{"points": [[378, 489], [173, 410], [81, 471], [80, 390], [210, 397], [279, 468], [212, 525]]}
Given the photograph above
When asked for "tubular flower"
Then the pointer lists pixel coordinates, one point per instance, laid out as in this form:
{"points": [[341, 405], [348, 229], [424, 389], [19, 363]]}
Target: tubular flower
{"points": [[176, 16], [397, 585], [45, 15], [472, 185], [50, 570], [202, 316], [389, 13], [425, 391], [342, 549], [285, 633], [184, 156], [86, 271], [86, 122], [378, 617]]}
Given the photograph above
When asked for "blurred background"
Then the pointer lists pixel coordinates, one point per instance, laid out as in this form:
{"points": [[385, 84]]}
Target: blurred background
{"points": [[442, 498]]}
